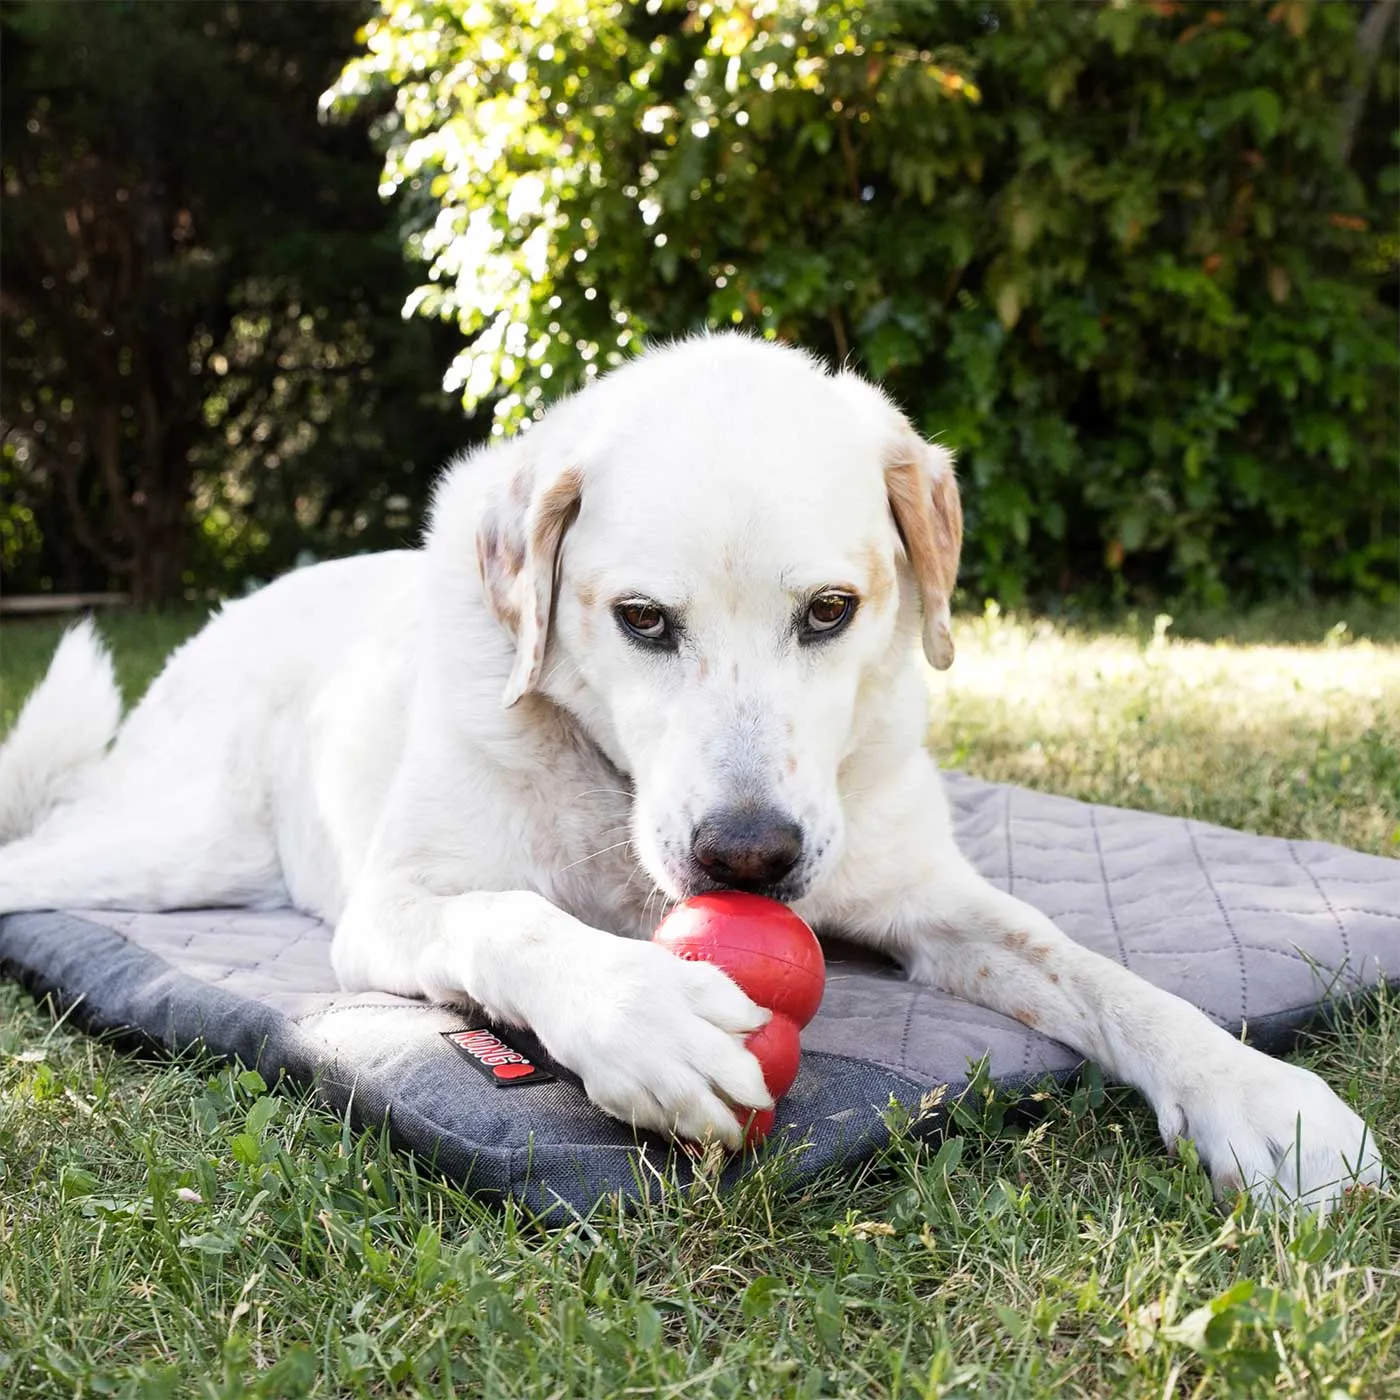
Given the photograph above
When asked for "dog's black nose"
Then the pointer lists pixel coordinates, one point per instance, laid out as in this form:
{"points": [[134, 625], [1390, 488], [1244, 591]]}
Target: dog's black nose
{"points": [[747, 848]]}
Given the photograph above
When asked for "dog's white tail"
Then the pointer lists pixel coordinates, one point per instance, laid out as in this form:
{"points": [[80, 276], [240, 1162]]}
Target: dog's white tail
{"points": [[62, 731]]}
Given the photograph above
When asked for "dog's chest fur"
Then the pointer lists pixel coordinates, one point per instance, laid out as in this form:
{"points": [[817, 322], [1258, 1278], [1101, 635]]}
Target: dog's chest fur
{"points": [[582, 853]]}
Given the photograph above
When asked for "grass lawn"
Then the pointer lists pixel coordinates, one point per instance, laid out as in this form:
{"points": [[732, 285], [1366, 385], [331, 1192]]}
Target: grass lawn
{"points": [[173, 1229]]}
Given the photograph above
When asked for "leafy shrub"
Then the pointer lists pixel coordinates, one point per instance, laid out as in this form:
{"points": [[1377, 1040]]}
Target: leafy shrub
{"points": [[1122, 256]]}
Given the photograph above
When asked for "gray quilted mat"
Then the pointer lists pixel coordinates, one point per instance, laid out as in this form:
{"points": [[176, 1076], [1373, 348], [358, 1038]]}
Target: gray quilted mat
{"points": [[1256, 931]]}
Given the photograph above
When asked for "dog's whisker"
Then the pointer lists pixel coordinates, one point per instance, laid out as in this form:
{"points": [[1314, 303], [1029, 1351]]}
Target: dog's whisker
{"points": [[557, 668], [639, 871], [656, 893], [616, 846]]}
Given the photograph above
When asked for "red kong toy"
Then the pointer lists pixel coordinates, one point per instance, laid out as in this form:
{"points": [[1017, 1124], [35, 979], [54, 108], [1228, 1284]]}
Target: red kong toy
{"points": [[773, 957]]}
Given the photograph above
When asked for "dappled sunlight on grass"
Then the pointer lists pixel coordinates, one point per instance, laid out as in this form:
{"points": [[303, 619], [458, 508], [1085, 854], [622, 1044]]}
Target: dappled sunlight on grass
{"points": [[1294, 740]]}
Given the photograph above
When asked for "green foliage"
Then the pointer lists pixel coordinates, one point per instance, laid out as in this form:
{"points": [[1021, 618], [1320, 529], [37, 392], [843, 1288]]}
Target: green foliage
{"points": [[1123, 257]]}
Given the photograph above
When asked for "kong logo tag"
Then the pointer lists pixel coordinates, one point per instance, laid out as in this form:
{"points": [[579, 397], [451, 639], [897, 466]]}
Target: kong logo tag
{"points": [[498, 1061]]}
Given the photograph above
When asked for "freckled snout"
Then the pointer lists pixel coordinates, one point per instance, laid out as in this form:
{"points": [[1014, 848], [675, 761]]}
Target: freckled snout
{"points": [[747, 848]]}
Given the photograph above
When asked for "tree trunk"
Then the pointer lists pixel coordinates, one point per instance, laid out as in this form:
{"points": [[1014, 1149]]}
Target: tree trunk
{"points": [[158, 564], [159, 553]]}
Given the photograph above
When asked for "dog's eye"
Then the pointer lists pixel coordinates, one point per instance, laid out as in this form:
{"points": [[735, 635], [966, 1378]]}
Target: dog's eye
{"points": [[828, 612], [644, 620]]}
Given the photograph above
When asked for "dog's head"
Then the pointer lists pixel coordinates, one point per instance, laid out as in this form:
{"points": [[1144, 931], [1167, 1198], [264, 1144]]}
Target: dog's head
{"points": [[716, 559]]}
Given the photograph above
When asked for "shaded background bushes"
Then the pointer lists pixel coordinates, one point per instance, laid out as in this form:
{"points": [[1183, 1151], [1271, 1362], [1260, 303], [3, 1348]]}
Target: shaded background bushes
{"points": [[205, 372], [1137, 262]]}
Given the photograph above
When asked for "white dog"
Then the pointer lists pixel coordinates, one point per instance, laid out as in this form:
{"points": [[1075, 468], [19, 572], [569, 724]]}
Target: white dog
{"points": [[664, 642]]}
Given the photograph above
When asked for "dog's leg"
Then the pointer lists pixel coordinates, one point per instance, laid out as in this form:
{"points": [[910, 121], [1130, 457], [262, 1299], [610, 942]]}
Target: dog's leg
{"points": [[657, 1041], [146, 854], [1270, 1127]]}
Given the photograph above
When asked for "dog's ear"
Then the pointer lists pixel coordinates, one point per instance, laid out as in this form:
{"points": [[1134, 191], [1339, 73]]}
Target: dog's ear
{"points": [[517, 550], [927, 511]]}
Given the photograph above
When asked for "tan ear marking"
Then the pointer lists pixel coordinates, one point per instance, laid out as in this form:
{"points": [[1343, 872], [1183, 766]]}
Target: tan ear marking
{"points": [[500, 556], [557, 505], [548, 516], [923, 496]]}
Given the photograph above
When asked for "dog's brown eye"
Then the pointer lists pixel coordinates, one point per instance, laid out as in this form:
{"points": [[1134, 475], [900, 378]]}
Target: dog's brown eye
{"points": [[644, 620], [828, 611]]}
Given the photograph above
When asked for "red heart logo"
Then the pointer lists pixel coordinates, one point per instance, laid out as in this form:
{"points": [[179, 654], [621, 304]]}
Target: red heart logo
{"points": [[513, 1071]]}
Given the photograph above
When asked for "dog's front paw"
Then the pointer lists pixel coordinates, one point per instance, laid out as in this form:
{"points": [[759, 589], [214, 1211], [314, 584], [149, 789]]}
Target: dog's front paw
{"points": [[660, 1044], [1272, 1129]]}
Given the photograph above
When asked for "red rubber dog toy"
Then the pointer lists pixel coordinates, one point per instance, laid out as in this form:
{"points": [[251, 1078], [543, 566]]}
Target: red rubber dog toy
{"points": [[775, 960]]}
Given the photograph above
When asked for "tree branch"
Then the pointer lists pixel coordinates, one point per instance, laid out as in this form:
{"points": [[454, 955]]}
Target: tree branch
{"points": [[82, 529], [1368, 51]]}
